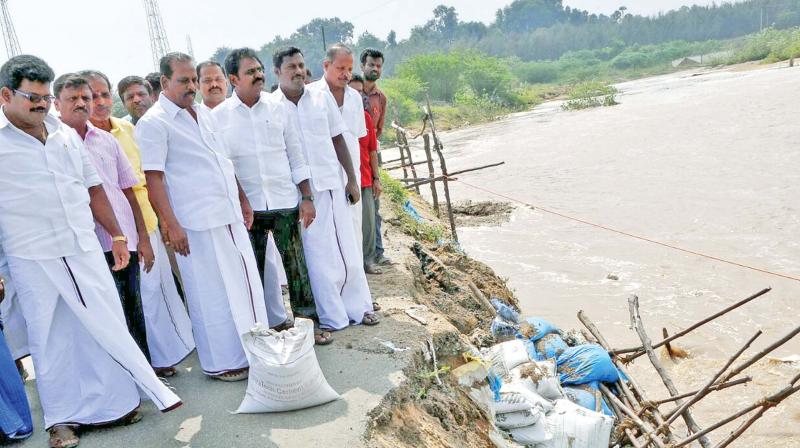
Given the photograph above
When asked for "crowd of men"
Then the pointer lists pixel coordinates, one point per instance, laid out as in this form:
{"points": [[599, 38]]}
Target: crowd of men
{"points": [[128, 243]]}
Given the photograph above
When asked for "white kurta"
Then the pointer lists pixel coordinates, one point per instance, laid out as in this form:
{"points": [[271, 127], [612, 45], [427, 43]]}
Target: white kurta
{"points": [[87, 365], [169, 330], [337, 274]]}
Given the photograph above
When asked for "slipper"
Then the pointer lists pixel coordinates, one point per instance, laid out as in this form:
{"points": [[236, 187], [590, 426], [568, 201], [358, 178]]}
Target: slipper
{"points": [[165, 372], [233, 375], [370, 320], [320, 337], [63, 436], [133, 417]]}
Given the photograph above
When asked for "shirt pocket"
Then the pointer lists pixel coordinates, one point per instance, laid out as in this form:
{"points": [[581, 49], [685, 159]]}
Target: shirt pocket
{"points": [[274, 132], [318, 125]]}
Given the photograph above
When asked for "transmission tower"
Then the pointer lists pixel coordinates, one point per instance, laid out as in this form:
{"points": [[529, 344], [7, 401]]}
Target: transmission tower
{"points": [[159, 45], [9, 35], [189, 48]]}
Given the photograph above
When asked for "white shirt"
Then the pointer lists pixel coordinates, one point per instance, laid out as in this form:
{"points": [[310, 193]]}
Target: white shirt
{"points": [[44, 197], [264, 146], [352, 111], [318, 119], [200, 179]]}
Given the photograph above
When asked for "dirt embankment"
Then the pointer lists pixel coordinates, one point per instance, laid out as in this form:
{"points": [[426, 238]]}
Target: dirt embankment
{"points": [[428, 409]]}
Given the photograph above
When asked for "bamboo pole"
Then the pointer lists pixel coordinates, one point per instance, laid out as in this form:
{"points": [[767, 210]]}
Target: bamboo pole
{"points": [[766, 402], [648, 432], [636, 323], [757, 357], [715, 387], [637, 351], [431, 173], [410, 160], [705, 389], [455, 173]]}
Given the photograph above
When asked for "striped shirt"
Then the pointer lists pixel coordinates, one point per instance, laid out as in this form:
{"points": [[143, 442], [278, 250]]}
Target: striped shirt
{"points": [[117, 174]]}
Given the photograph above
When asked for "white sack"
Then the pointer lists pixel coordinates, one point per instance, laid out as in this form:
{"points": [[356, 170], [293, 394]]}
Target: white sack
{"points": [[573, 426], [540, 376], [532, 435], [519, 419], [284, 372], [507, 355]]}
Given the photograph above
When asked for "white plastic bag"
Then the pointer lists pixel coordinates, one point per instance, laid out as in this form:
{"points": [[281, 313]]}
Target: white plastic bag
{"points": [[540, 376], [284, 372], [573, 426], [507, 355]]}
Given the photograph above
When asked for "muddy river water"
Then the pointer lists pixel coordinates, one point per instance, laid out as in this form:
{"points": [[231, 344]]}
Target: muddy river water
{"points": [[706, 160]]}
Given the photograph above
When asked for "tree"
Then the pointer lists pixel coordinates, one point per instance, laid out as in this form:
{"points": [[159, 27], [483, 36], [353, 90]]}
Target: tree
{"points": [[391, 39]]}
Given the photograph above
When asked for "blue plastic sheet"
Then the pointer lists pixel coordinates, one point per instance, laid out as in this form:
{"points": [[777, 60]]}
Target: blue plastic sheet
{"points": [[540, 328], [586, 397], [584, 364], [502, 330], [505, 311], [551, 346], [411, 211]]}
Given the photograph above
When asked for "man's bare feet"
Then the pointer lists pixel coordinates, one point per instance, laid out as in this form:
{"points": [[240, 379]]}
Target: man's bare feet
{"points": [[233, 375], [63, 436]]}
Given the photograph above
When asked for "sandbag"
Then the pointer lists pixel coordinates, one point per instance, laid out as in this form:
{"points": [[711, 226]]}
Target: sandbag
{"points": [[532, 435], [284, 372], [586, 395], [586, 363], [507, 355], [519, 419], [527, 392], [534, 328], [572, 426], [511, 401], [550, 346], [502, 330], [540, 376]]}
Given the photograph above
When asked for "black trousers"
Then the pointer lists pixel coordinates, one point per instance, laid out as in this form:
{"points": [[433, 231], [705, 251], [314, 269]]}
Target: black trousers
{"points": [[128, 283]]}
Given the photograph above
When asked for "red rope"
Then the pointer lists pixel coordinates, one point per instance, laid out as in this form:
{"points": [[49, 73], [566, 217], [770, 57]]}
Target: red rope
{"points": [[638, 237]]}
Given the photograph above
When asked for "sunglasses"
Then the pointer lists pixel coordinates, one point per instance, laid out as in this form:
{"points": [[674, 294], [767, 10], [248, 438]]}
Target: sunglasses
{"points": [[34, 98]]}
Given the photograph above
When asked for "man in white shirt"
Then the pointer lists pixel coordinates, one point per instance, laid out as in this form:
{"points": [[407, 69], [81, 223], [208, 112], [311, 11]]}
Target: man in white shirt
{"points": [[213, 84], [76, 328], [203, 215], [338, 70], [332, 253], [270, 164]]}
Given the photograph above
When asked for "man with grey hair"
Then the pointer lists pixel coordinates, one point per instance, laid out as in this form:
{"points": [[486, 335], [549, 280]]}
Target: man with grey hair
{"points": [[204, 216], [338, 70]]}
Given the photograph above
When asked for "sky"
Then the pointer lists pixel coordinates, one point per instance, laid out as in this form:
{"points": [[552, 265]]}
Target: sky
{"points": [[112, 36]]}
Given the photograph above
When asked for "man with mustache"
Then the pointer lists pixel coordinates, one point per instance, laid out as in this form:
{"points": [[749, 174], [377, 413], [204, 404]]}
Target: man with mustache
{"points": [[135, 91], [74, 103], [213, 85], [169, 332], [372, 67], [333, 257], [76, 330], [269, 162], [204, 216], [337, 72]]}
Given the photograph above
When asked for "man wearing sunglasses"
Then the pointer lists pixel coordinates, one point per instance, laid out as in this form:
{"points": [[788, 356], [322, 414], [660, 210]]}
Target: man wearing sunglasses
{"points": [[50, 197]]}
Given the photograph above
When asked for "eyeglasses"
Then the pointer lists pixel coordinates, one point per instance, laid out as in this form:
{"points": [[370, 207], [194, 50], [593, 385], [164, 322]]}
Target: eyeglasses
{"points": [[34, 98]]}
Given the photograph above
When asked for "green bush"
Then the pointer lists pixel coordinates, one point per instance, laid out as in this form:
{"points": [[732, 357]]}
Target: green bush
{"points": [[537, 72], [590, 94], [403, 96], [631, 59], [770, 44], [439, 72]]}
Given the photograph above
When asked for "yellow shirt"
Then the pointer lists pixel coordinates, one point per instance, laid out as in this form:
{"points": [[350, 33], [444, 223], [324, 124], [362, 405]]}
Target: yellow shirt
{"points": [[123, 131]]}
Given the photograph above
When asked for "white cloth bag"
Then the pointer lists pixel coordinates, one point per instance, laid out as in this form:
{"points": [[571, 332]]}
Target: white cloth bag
{"points": [[284, 372]]}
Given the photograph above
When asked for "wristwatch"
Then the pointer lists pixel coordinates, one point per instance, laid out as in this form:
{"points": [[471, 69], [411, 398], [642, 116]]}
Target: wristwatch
{"points": [[122, 238], [308, 198]]}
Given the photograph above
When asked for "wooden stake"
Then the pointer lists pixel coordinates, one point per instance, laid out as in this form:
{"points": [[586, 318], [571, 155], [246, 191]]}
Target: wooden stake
{"points": [[636, 322], [757, 357], [647, 431], [431, 173], [715, 387], [638, 351]]}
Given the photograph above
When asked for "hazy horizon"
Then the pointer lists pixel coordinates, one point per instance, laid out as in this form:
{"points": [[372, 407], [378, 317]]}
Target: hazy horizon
{"points": [[113, 37]]}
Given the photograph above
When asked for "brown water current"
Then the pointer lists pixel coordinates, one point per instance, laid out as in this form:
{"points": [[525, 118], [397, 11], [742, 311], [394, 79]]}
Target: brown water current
{"points": [[706, 160]]}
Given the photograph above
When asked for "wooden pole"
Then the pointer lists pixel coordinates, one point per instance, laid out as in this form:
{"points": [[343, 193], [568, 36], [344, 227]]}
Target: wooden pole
{"points": [[400, 143], [431, 173], [411, 161], [715, 387], [647, 431], [397, 167], [741, 367], [705, 389], [455, 173], [437, 146], [425, 181], [636, 323], [637, 351]]}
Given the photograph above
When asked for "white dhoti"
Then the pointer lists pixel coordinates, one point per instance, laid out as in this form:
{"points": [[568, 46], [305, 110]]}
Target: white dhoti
{"points": [[355, 210], [87, 365], [169, 330], [335, 266], [224, 294], [16, 332]]}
